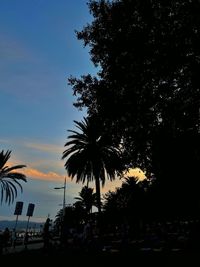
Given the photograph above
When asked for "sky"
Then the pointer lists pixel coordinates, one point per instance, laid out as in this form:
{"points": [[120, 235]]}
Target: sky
{"points": [[39, 51]]}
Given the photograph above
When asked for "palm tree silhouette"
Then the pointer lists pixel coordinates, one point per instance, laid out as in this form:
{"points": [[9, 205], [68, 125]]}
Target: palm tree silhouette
{"points": [[90, 155], [87, 198], [9, 180]]}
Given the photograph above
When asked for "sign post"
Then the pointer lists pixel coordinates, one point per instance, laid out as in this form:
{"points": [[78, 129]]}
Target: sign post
{"points": [[18, 211], [29, 213]]}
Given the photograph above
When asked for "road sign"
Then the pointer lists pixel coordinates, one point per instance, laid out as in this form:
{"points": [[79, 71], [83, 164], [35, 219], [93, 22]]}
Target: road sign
{"points": [[18, 208], [30, 209]]}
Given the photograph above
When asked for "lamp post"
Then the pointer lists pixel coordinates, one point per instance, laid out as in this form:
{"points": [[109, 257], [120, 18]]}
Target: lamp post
{"points": [[63, 187]]}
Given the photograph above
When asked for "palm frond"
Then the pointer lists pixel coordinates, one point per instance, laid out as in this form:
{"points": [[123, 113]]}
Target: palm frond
{"points": [[9, 180], [7, 169], [4, 157]]}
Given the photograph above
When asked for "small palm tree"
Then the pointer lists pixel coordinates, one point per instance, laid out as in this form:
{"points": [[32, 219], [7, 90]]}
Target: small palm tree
{"points": [[90, 155], [9, 180], [87, 198]]}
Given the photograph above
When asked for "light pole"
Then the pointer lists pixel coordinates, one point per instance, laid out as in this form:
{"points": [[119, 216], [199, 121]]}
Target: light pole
{"points": [[63, 187]]}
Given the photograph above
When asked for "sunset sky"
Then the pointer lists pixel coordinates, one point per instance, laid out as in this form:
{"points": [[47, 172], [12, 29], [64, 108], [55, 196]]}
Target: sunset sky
{"points": [[38, 52]]}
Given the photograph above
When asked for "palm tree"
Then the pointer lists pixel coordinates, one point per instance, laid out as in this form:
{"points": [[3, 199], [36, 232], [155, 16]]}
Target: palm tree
{"points": [[9, 180], [90, 155], [87, 198]]}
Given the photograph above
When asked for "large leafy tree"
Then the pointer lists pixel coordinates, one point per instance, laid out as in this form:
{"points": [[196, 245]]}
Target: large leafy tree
{"points": [[9, 178], [90, 155], [147, 90]]}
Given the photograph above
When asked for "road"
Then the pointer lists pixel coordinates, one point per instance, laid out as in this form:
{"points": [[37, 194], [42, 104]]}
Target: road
{"points": [[33, 244]]}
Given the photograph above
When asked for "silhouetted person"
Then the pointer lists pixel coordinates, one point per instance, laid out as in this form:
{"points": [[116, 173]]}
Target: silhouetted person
{"points": [[46, 233], [13, 238], [26, 237], [87, 235], [6, 238]]}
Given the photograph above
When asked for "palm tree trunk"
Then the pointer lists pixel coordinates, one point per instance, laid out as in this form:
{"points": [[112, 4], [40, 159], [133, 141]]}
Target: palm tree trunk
{"points": [[98, 193]]}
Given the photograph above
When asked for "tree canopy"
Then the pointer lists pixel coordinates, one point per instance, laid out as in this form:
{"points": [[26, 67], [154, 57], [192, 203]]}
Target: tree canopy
{"points": [[147, 88]]}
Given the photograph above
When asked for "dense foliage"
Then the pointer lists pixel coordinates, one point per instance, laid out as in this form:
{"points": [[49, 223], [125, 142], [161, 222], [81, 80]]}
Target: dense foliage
{"points": [[147, 91]]}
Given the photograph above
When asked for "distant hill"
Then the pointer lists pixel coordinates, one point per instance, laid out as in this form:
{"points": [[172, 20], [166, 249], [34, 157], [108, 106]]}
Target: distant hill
{"points": [[21, 225]]}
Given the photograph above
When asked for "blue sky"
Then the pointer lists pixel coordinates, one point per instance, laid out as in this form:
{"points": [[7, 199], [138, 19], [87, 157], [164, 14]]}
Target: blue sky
{"points": [[38, 52]]}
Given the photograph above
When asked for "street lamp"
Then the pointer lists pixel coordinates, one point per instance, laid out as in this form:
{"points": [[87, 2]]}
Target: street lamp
{"points": [[63, 187]]}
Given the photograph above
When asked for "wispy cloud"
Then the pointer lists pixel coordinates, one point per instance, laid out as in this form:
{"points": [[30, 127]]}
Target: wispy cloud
{"points": [[46, 164], [44, 147], [36, 173], [50, 169], [48, 176], [31, 144], [43, 161]]}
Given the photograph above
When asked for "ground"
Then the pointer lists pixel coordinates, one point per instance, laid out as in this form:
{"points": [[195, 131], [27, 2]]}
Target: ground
{"points": [[74, 258]]}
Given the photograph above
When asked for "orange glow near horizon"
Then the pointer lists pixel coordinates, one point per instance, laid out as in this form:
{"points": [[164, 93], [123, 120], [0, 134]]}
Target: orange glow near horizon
{"points": [[39, 175], [136, 172]]}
